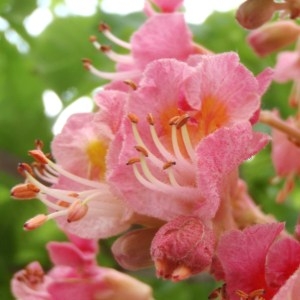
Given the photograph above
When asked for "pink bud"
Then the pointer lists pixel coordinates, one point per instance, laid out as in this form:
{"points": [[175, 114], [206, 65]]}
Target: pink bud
{"points": [[271, 37], [254, 13], [132, 250], [182, 247]]}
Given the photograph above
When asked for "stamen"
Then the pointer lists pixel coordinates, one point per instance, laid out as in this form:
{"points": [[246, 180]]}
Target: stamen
{"points": [[73, 177], [24, 191], [77, 211], [268, 118], [254, 295], [38, 156], [105, 29], [108, 75], [180, 123], [24, 168], [48, 203], [131, 83], [182, 120], [165, 153], [168, 164], [39, 144], [134, 120], [58, 194], [142, 150], [132, 161], [148, 173], [187, 142], [175, 145], [35, 222], [110, 53], [46, 176]]}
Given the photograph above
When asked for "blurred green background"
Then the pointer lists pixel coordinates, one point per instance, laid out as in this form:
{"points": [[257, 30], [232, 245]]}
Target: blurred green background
{"points": [[30, 65]]}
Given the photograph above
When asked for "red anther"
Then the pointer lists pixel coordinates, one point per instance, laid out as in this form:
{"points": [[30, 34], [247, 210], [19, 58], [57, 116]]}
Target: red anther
{"points": [[132, 161], [174, 120], [169, 164], [150, 119], [131, 83], [92, 38], [103, 27], [142, 150], [39, 144], [133, 118], [35, 222], [63, 203], [24, 191], [219, 293], [38, 166], [23, 168], [86, 63], [38, 156], [254, 295], [182, 120], [105, 48], [77, 211]]}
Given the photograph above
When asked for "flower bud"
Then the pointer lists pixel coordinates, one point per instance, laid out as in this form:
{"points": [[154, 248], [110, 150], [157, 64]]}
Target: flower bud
{"points": [[182, 247], [271, 37], [132, 250], [254, 13]]}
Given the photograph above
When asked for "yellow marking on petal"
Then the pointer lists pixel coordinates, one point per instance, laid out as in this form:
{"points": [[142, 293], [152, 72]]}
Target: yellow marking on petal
{"points": [[96, 152]]}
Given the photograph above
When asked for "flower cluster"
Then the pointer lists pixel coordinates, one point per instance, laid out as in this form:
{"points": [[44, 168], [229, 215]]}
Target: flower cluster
{"points": [[157, 164]]}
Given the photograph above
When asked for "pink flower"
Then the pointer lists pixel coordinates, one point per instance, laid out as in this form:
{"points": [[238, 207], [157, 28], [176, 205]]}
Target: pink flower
{"points": [[253, 263], [79, 196], [30, 283], [178, 154], [75, 275], [185, 121], [161, 36]]}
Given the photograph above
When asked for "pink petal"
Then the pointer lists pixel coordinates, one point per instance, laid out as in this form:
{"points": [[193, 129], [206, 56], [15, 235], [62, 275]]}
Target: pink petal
{"points": [[218, 78], [243, 257], [162, 36], [67, 254], [220, 153], [111, 104], [282, 261], [77, 289], [85, 245], [290, 290], [69, 148], [105, 217]]}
